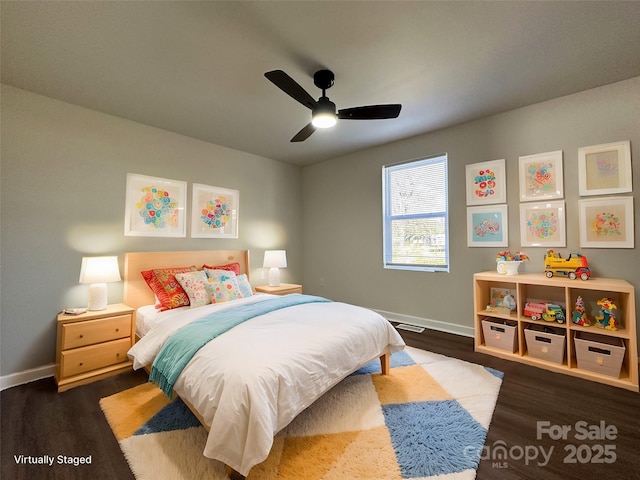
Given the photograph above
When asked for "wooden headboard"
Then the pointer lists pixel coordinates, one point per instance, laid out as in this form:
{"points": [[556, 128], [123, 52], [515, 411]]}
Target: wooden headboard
{"points": [[136, 291]]}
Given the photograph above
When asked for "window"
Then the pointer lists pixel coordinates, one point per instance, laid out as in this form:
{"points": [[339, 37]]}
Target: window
{"points": [[415, 215]]}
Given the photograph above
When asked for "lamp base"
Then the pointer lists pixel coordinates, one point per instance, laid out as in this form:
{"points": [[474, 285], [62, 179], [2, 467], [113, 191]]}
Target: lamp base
{"points": [[97, 296], [274, 277]]}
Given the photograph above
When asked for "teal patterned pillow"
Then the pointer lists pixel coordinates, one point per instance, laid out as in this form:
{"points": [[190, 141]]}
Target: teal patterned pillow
{"points": [[244, 285], [224, 289]]}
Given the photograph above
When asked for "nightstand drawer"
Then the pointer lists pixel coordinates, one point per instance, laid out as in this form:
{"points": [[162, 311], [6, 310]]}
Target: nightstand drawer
{"points": [[80, 334], [89, 358]]}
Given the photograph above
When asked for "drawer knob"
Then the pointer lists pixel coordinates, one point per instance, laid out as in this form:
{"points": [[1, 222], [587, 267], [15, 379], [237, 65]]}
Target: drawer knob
{"points": [[81, 364], [117, 329], [82, 335], [118, 354]]}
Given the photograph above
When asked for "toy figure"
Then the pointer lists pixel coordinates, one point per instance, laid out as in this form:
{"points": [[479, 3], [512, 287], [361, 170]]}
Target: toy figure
{"points": [[578, 315], [607, 318]]}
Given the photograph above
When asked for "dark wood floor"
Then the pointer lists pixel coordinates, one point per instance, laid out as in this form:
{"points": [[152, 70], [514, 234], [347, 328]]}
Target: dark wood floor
{"points": [[36, 421]]}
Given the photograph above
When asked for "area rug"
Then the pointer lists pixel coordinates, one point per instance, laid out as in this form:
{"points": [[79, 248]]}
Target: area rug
{"points": [[427, 419]]}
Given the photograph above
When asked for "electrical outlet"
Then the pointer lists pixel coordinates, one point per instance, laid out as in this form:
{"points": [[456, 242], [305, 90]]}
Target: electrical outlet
{"points": [[322, 281]]}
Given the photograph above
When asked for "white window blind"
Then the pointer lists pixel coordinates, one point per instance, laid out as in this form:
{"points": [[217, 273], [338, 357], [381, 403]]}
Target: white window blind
{"points": [[415, 215]]}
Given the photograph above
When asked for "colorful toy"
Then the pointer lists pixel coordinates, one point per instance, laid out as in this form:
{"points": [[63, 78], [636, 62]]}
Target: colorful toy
{"points": [[576, 265], [508, 263], [507, 256], [578, 316], [607, 318], [545, 311]]}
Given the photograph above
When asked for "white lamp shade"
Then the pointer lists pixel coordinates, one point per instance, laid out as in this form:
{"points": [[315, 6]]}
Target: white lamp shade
{"points": [[275, 259], [97, 271]]}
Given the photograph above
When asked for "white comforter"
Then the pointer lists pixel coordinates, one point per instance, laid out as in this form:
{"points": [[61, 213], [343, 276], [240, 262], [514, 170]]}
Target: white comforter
{"points": [[253, 380]]}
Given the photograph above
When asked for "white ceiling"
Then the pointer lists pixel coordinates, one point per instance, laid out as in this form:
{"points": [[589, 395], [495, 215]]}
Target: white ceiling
{"points": [[197, 68]]}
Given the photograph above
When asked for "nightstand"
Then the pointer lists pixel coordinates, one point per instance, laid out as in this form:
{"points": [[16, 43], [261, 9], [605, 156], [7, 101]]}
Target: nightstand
{"points": [[282, 289], [93, 345]]}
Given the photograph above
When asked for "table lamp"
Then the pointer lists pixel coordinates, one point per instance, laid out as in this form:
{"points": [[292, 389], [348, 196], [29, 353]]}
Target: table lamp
{"points": [[97, 271], [274, 260]]}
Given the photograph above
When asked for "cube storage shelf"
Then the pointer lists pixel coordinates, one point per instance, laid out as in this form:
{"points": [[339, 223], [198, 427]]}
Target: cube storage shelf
{"points": [[563, 291]]}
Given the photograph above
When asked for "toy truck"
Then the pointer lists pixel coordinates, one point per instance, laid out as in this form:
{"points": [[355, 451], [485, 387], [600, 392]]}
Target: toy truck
{"points": [[576, 265], [545, 311]]}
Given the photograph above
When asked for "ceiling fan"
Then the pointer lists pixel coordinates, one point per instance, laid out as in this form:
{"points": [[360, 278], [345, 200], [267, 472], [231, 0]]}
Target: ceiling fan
{"points": [[323, 111]]}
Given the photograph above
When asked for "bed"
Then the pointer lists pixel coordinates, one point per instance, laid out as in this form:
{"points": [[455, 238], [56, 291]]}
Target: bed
{"points": [[248, 383]]}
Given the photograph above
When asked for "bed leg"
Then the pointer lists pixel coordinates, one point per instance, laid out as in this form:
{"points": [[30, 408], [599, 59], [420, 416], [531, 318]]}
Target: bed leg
{"points": [[384, 363], [233, 475]]}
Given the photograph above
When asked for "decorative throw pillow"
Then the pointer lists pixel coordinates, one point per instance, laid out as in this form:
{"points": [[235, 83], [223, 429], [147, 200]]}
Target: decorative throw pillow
{"points": [[233, 267], [163, 283], [244, 285], [194, 284], [224, 289]]}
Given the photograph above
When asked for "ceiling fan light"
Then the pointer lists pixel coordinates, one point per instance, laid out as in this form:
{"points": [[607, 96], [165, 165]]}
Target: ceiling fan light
{"points": [[324, 120], [324, 113]]}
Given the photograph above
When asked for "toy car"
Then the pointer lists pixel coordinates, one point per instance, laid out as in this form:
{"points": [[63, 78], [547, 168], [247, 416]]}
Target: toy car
{"points": [[546, 311], [576, 265]]}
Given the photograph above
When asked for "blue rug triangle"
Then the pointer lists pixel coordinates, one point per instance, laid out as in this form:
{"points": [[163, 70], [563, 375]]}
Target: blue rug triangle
{"points": [[494, 372], [175, 416], [398, 359], [433, 438]]}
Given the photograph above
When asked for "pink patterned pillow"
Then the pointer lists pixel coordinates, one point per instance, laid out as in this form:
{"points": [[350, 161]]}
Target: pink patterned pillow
{"points": [[194, 284], [232, 267]]}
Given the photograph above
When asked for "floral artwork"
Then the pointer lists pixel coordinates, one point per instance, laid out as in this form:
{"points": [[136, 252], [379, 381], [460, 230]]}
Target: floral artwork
{"points": [[487, 226], [486, 183], [214, 212], [606, 222], [542, 224], [605, 169], [155, 207], [541, 176]]}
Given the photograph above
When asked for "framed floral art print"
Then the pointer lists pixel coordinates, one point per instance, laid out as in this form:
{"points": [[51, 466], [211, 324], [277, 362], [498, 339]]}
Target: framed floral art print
{"points": [[605, 169], [542, 224], [541, 176], [486, 183], [214, 212], [487, 226], [155, 207], [606, 222]]}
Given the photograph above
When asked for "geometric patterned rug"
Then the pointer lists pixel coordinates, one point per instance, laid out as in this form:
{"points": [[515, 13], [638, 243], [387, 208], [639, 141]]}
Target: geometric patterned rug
{"points": [[426, 420]]}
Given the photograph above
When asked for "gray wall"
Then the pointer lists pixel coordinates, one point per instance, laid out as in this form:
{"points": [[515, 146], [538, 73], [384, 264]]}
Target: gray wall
{"points": [[342, 198], [63, 190], [63, 197]]}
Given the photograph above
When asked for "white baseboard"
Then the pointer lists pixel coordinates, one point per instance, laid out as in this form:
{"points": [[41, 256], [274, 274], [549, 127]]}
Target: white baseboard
{"points": [[428, 323], [27, 376]]}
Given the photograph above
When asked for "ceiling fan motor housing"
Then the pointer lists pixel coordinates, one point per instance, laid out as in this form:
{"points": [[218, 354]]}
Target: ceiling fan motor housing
{"points": [[323, 79]]}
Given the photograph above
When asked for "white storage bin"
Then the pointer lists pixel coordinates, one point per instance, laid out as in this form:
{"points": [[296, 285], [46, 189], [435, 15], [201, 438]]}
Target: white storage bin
{"points": [[500, 335], [599, 353], [545, 345]]}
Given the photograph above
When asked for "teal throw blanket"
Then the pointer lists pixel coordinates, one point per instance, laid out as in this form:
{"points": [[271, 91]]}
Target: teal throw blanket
{"points": [[184, 343]]}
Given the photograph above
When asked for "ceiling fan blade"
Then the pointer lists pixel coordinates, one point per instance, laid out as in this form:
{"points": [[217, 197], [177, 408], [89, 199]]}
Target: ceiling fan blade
{"points": [[370, 112], [289, 86], [305, 133]]}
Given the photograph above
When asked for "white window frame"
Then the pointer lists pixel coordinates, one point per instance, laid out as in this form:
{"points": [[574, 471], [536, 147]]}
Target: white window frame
{"points": [[388, 217]]}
